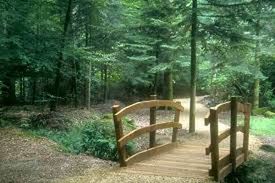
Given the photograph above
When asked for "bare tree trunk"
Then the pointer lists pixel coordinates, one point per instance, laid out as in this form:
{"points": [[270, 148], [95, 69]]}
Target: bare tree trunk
{"points": [[61, 57], [88, 86], [193, 68], [8, 91], [256, 88], [74, 86], [105, 83], [34, 83], [168, 80], [156, 77]]}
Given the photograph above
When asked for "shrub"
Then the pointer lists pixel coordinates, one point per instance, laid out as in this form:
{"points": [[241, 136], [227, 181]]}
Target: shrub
{"points": [[255, 170], [93, 137], [260, 111], [51, 120], [269, 114], [99, 139], [272, 104]]}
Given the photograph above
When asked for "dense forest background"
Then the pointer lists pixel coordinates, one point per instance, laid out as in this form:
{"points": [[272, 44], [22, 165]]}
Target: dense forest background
{"points": [[78, 53]]}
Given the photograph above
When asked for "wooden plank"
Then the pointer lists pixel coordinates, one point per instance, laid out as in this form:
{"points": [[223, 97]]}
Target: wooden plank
{"points": [[215, 145], [159, 170], [148, 104], [182, 158], [172, 166], [150, 152], [190, 154], [180, 164], [137, 132], [206, 119], [152, 136], [243, 107], [222, 136], [119, 134], [225, 171], [240, 159], [169, 173], [246, 131], [176, 120], [233, 133], [224, 107], [224, 161], [199, 161]]}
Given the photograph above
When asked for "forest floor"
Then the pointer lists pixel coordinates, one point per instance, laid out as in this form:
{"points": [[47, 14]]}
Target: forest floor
{"points": [[25, 158]]}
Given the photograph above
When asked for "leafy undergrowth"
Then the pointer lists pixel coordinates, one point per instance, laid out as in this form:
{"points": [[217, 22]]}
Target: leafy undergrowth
{"points": [[255, 170], [94, 137], [268, 148], [262, 126]]}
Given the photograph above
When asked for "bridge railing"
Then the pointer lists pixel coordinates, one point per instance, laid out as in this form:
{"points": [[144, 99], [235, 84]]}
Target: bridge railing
{"points": [[122, 139], [221, 167]]}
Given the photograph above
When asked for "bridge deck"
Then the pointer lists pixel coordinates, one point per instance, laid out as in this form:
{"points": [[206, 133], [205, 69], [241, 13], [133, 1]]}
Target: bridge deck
{"points": [[182, 161]]}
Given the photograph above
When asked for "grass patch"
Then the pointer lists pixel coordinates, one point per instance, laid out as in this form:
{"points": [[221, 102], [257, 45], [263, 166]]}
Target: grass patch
{"points": [[262, 126]]}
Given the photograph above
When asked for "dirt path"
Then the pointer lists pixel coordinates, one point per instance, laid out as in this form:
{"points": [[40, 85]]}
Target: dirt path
{"points": [[201, 112], [27, 159], [202, 135]]}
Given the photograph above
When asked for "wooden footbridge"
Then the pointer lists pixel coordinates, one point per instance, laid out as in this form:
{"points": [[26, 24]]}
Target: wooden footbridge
{"points": [[183, 160]]}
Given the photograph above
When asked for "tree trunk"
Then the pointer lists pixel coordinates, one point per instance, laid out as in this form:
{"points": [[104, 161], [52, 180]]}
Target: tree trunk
{"points": [[74, 87], [56, 92], [34, 82], [21, 83], [8, 91], [105, 83], [168, 84], [256, 88], [156, 77], [193, 68], [88, 86]]}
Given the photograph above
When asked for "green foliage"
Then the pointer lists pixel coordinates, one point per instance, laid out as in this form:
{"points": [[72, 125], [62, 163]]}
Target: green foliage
{"points": [[92, 137], [262, 126], [260, 111], [51, 120], [99, 139], [269, 114], [268, 148], [255, 170]]}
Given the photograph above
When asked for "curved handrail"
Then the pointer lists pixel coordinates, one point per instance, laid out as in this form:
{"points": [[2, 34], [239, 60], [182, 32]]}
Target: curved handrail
{"points": [[222, 136], [148, 104], [137, 132], [243, 107], [218, 108], [206, 119], [222, 107], [150, 152]]}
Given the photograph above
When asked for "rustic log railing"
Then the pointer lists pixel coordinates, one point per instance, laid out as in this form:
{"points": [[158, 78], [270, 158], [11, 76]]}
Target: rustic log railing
{"points": [[122, 139], [221, 167]]}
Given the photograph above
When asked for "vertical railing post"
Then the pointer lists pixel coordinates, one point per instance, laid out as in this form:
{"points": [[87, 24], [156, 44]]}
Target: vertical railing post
{"points": [[246, 130], [119, 134], [233, 133], [214, 144], [176, 120], [152, 137]]}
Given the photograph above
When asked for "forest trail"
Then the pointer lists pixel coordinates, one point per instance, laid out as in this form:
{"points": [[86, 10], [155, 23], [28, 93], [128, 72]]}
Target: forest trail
{"points": [[202, 135], [201, 112], [28, 159]]}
